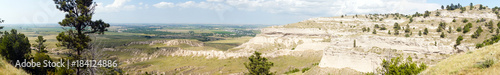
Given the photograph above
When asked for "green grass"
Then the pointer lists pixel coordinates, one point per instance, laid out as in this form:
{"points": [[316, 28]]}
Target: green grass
{"points": [[223, 32], [200, 64]]}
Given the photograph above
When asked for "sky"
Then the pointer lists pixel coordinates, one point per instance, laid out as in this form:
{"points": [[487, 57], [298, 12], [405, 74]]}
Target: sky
{"points": [[271, 12]]}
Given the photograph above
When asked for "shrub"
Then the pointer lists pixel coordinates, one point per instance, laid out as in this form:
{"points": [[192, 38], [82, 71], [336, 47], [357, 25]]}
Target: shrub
{"points": [[389, 32], [374, 31], [459, 39], [396, 66], [467, 27], [305, 69], [426, 31], [442, 35], [407, 29], [459, 29], [439, 29], [411, 20], [486, 63], [419, 33], [407, 35], [292, 71], [477, 33], [258, 65], [383, 28], [479, 45], [396, 32], [396, 26], [41, 57]]}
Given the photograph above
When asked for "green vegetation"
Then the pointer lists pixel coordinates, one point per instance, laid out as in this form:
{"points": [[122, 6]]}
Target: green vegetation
{"points": [[469, 63], [398, 67], [486, 63], [40, 46], [77, 37], [419, 33], [292, 71], [490, 41], [259, 65], [7, 69], [459, 39], [478, 32], [467, 27], [441, 27], [374, 31], [426, 14], [396, 32], [15, 46], [465, 21], [305, 69], [453, 7], [407, 29], [426, 31], [442, 35], [396, 26], [363, 29], [383, 28]]}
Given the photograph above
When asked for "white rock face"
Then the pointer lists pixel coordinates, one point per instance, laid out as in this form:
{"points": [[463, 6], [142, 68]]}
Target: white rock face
{"points": [[363, 62]]}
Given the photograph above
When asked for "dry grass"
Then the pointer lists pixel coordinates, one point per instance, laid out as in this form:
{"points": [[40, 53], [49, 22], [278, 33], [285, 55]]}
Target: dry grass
{"points": [[467, 63], [202, 65], [7, 69]]}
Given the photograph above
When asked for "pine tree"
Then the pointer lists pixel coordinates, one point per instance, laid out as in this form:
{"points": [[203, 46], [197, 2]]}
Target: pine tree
{"points": [[78, 19], [40, 44], [258, 65], [471, 6], [419, 33], [460, 38], [477, 33], [15, 46], [442, 35], [426, 31]]}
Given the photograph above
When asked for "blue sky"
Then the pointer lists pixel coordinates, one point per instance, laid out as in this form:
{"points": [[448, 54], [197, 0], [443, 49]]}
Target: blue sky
{"points": [[274, 12]]}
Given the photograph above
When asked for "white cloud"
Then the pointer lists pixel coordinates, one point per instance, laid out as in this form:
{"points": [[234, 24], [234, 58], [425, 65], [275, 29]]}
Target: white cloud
{"points": [[116, 6], [310, 7], [164, 5]]}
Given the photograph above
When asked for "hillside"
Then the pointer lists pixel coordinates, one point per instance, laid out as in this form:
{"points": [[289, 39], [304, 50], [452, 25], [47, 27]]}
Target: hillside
{"points": [[468, 63], [7, 69], [347, 44]]}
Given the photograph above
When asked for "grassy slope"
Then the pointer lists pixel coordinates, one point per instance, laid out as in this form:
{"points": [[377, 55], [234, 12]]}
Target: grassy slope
{"points": [[7, 69], [201, 65], [466, 63]]}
